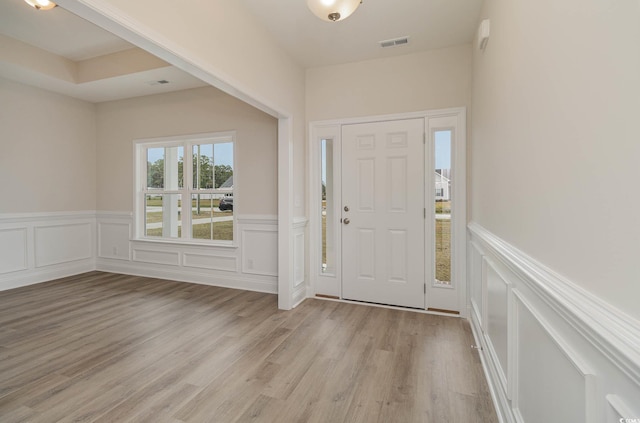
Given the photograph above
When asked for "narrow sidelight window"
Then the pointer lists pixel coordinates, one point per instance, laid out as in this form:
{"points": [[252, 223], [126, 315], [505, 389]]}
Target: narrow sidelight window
{"points": [[328, 221], [443, 181]]}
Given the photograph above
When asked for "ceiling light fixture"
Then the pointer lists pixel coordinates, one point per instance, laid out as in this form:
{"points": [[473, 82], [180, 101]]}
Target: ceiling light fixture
{"points": [[41, 4], [333, 10]]}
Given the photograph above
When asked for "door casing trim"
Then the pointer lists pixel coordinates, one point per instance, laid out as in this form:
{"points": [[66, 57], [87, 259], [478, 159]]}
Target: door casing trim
{"points": [[319, 130]]}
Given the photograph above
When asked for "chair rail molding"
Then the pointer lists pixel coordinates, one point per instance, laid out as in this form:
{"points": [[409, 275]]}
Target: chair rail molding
{"points": [[593, 344]]}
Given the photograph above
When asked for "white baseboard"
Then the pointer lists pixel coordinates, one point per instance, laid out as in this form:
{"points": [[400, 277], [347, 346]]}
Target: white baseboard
{"points": [[551, 351], [182, 274], [30, 277]]}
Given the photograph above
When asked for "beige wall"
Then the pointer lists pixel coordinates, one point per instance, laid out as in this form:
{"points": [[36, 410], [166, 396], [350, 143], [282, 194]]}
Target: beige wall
{"points": [[198, 110], [223, 38], [555, 150], [430, 80], [62, 154], [47, 151]]}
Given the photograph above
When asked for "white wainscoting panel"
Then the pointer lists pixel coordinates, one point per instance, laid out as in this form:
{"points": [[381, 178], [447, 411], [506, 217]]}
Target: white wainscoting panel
{"points": [[298, 258], [156, 256], [13, 250], [210, 261], [260, 250], [63, 243], [300, 288], [113, 239], [37, 247], [497, 320], [251, 263], [551, 385], [476, 282], [569, 355]]}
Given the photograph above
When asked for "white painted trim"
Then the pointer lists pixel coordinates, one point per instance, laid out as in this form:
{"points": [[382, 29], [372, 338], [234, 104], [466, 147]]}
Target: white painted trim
{"points": [[505, 375], [331, 129], [622, 410], [609, 329], [576, 323], [285, 215], [395, 116], [25, 278], [87, 255], [329, 283], [299, 222], [299, 296], [498, 396], [454, 120], [191, 243], [59, 263], [25, 254], [114, 215], [12, 218], [168, 260], [140, 189], [390, 307], [245, 231], [257, 219], [566, 349], [190, 275], [189, 254], [570, 354]]}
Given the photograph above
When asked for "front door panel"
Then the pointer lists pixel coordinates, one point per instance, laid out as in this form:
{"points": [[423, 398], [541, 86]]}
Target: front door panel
{"points": [[383, 212]]}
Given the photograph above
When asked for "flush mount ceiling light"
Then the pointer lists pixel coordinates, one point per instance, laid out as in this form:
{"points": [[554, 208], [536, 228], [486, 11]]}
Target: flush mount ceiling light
{"points": [[333, 10], [41, 4]]}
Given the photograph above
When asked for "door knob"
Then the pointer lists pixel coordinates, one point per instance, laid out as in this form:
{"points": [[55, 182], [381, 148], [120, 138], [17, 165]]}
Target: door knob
{"points": [[346, 221], [346, 208]]}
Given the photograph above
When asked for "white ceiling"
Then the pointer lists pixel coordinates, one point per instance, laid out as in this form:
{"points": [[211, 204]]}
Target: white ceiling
{"points": [[65, 34], [429, 24], [57, 31]]}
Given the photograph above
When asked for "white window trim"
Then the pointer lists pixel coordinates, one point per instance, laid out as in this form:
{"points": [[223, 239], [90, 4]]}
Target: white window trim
{"points": [[140, 177]]}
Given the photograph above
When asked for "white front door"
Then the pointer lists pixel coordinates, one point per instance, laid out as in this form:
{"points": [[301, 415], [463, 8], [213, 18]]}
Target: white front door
{"points": [[383, 215]]}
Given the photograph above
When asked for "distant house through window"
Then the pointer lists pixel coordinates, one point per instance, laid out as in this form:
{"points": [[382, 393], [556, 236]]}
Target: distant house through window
{"points": [[168, 180]]}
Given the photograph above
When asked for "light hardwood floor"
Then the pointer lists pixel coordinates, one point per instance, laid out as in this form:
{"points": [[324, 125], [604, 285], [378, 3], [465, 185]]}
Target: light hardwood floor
{"points": [[101, 347]]}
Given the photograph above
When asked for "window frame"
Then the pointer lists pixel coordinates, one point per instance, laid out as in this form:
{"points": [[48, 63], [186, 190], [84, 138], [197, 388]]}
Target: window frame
{"points": [[140, 147]]}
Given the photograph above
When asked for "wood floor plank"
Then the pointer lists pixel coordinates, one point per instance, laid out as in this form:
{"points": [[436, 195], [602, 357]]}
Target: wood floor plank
{"points": [[101, 347]]}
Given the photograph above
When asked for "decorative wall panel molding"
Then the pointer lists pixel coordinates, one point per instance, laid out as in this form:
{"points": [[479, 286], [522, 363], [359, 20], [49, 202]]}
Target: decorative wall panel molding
{"points": [[250, 264], [37, 247], [567, 351], [113, 237], [210, 261], [499, 318], [299, 260], [14, 253], [260, 250], [62, 243], [150, 255]]}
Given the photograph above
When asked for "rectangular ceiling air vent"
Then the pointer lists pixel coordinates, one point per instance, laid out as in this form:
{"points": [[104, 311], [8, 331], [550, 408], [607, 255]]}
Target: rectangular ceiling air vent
{"points": [[394, 42]]}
